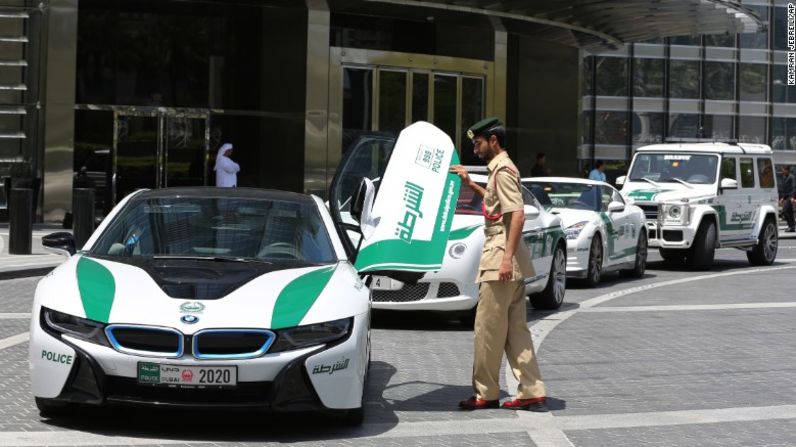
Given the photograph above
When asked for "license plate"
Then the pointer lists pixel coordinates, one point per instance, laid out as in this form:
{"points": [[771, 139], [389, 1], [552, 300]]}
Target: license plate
{"points": [[383, 283], [159, 374]]}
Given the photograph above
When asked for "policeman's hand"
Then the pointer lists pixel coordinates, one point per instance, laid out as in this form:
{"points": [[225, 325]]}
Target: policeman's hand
{"points": [[506, 269], [462, 173]]}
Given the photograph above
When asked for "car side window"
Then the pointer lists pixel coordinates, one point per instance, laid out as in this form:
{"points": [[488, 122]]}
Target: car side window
{"points": [[747, 173], [605, 197], [616, 197], [728, 168], [765, 171], [529, 199]]}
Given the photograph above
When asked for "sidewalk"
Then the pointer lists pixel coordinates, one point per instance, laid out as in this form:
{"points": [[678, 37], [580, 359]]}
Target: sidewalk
{"points": [[39, 262]]}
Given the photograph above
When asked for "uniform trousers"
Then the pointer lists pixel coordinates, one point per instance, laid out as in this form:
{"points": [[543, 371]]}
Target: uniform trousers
{"points": [[501, 326]]}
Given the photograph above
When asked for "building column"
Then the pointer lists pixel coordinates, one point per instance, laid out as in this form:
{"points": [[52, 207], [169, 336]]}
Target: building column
{"points": [[59, 68], [317, 169]]}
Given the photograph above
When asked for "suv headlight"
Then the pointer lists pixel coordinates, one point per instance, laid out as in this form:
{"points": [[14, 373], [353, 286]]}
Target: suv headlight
{"points": [[676, 214], [310, 335], [57, 323], [573, 231]]}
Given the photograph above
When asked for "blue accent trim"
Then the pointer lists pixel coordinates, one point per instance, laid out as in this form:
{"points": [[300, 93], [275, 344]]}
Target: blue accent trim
{"points": [[244, 355], [117, 346]]}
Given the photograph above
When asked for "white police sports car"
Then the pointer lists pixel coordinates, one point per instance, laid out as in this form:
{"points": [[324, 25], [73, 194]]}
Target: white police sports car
{"points": [[229, 297], [603, 232]]}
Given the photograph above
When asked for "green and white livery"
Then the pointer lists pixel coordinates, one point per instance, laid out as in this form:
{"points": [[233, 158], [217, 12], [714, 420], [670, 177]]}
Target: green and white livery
{"points": [[603, 232], [223, 297], [701, 196]]}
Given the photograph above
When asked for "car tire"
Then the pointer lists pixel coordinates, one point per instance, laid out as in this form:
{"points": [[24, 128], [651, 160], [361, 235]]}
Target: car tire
{"points": [[673, 256], [49, 409], [765, 252], [704, 247], [641, 259], [595, 267], [552, 297]]}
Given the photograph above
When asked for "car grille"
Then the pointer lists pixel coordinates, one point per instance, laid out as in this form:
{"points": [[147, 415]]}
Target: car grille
{"points": [[408, 293], [144, 340], [231, 343], [650, 211], [447, 290]]}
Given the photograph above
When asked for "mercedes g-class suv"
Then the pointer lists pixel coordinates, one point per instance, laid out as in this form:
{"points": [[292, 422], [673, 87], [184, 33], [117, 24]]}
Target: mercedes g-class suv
{"points": [[701, 196]]}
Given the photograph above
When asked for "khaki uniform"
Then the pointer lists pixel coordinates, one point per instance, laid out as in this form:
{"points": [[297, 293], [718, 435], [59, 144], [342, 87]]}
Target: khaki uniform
{"points": [[500, 322]]}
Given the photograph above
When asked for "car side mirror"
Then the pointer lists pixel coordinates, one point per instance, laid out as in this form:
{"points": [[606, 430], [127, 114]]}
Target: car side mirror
{"points": [[620, 180], [62, 243], [531, 212], [362, 206], [728, 183], [616, 207]]}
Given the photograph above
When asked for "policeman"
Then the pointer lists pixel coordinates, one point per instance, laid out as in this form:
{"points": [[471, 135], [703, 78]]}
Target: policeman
{"points": [[500, 321]]}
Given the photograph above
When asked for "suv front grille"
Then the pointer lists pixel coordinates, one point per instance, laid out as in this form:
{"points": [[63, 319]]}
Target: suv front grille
{"points": [[650, 211], [408, 293], [231, 343]]}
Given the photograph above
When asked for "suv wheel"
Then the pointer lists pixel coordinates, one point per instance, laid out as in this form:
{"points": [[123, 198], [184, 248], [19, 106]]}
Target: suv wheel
{"points": [[552, 296], [765, 251], [704, 247], [595, 261], [641, 259]]}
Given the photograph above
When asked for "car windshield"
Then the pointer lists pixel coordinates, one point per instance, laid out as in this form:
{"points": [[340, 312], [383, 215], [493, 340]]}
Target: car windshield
{"points": [[576, 196], [218, 228], [675, 168]]}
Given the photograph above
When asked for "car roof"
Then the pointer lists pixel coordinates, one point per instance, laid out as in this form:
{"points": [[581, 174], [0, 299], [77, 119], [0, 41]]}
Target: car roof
{"points": [[709, 148], [234, 193], [582, 181]]}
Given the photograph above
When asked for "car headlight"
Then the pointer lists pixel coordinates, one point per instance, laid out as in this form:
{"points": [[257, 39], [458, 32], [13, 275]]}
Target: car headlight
{"points": [[573, 231], [313, 334], [57, 323], [677, 214], [457, 250]]}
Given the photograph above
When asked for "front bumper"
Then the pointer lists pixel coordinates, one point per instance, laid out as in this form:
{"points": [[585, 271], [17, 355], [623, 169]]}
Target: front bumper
{"points": [[441, 294], [669, 236], [578, 257], [285, 381]]}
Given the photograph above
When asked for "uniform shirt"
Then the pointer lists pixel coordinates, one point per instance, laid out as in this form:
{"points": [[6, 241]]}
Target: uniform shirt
{"points": [[502, 196], [596, 174]]}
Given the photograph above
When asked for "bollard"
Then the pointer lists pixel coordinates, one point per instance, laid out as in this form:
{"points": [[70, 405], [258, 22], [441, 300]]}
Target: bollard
{"points": [[20, 221], [82, 215]]}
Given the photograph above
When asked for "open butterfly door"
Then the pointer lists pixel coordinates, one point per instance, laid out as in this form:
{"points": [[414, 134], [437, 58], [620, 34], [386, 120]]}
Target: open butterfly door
{"points": [[403, 233]]}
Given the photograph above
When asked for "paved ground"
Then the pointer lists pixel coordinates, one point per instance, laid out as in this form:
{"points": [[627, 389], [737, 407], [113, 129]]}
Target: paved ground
{"points": [[674, 358]]}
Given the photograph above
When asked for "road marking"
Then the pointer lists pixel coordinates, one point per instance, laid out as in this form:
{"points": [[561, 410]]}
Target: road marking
{"points": [[64, 438], [14, 316], [689, 307], [14, 340]]}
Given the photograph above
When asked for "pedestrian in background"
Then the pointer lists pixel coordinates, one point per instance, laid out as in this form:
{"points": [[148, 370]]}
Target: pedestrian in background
{"points": [[500, 319], [540, 169], [788, 196], [226, 169], [598, 173]]}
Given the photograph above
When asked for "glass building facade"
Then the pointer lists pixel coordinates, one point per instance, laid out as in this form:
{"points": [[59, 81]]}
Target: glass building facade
{"points": [[727, 86]]}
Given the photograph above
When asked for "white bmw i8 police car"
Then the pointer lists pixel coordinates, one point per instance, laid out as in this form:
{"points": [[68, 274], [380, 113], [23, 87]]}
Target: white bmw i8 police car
{"points": [[452, 288], [233, 297], [603, 232]]}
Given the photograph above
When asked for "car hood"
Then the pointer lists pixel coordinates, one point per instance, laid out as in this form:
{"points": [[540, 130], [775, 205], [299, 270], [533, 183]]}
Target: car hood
{"points": [[668, 192], [114, 292]]}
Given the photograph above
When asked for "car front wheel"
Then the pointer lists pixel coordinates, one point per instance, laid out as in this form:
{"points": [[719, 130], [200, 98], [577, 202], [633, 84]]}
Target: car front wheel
{"points": [[765, 251], [641, 259], [552, 296]]}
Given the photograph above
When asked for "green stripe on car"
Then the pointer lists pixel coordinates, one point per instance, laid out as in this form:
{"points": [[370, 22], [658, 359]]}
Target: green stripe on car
{"points": [[298, 296], [97, 289]]}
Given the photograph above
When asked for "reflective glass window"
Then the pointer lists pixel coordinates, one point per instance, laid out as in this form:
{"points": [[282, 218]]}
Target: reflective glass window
{"points": [[719, 80], [648, 77], [684, 79], [756, 40], [683, 125], [783, 133], [611, 128], [765, 171], [753, 82], [419, 97], [718, 126], [752, 129], [588, 75], [720, 40], [685, 40], [587, 118], [445, 103], [472, 111], [357, 103], [728, 168], [611, 76], [781, 91], [392, 100], [647, 128], [780, 28]]}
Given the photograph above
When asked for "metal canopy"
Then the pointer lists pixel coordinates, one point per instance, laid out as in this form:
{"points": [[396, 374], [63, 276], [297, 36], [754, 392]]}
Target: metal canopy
{"points": [[596, 24]]}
